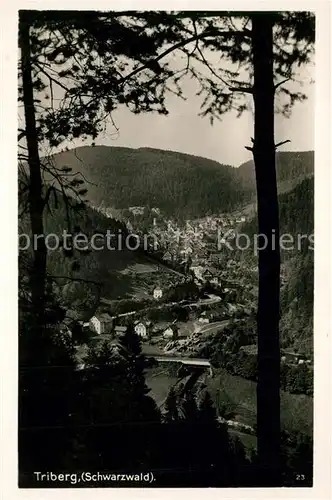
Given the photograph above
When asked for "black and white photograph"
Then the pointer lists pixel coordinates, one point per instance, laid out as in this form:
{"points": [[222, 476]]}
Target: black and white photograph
{"points": [[166, 217]]}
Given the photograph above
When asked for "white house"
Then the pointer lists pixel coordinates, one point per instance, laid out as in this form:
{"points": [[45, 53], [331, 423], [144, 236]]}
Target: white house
{"points": [[198, 271], [203, 318], [157, 293], [137, 210], [169, 333], [101, 323], [187, 250], [140, 329]]}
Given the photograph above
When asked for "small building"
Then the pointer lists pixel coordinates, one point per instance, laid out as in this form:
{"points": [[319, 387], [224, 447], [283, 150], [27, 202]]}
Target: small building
{"points": [[171, 332], [120, 329], [207, 274], [101, 323], [167, 256], [203, 319], [187, 250], [198, 271], [137, 210], [231, 308], [291, 357], [157, 293], [140, 329]]}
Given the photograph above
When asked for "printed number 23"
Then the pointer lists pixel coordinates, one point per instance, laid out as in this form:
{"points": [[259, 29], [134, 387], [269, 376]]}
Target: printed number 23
{"points": [[300, 477]]}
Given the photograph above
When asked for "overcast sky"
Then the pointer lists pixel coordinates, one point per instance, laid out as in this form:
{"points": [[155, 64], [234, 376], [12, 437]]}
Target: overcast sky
{"points": [[224, 141], [183, 130]]}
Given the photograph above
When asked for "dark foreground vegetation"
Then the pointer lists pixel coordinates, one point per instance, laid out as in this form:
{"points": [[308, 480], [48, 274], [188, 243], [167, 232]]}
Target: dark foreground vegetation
{"points": [[101, 418]]}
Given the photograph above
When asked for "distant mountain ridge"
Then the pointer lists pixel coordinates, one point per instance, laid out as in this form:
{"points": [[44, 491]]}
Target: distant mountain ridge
{"points": [[181, 185]]}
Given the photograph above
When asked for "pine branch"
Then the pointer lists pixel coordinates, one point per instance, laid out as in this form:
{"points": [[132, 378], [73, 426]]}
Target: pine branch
{"points": [[51, 79], [281, 83], [183, 43], [245, 90], [281, 143]]}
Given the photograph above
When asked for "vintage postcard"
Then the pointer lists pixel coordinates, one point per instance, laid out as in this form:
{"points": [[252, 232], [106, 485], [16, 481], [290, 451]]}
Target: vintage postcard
{"points": [[168, 178]]}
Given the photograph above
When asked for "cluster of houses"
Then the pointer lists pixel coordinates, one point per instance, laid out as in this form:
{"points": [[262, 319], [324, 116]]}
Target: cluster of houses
{"points": [[136, 210], [188, 240], [104, 323], [293, 358], [204, 274], [141, 210]]}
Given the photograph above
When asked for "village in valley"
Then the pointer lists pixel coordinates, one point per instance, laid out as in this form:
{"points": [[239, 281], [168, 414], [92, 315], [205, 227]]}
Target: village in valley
{"points": [[166, 248], [191, 290]]}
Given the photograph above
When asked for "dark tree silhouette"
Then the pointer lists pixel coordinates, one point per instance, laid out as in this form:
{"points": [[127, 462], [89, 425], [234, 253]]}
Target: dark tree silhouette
{"points": [[36, 201], [268, 397], [171, 411]]}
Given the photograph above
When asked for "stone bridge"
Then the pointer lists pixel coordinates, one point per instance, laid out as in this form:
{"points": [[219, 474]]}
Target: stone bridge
{"points": [[196, 362]]}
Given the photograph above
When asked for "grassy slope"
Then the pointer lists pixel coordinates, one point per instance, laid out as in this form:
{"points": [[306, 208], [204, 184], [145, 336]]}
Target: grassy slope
{"points": [[296, 410]]}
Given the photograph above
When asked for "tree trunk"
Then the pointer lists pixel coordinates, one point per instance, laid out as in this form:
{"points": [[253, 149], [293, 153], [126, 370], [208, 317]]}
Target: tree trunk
{"points": [[36, 202], [268, 387]]}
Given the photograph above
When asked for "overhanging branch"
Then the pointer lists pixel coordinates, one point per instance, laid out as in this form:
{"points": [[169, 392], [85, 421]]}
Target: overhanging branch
{"points": [[245, 90], [201, 36], [281, 83], [281, 143]]}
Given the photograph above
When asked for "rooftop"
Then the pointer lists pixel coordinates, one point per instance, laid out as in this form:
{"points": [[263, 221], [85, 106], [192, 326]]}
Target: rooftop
{"points": [[103, 316]]}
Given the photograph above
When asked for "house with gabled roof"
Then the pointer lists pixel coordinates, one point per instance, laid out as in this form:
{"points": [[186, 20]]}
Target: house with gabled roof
{"points": [[140, 329], [157, 293], [101, 323]]}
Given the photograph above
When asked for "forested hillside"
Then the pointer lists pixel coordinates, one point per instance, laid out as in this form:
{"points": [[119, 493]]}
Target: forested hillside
{"points": [[83, 275], [296, 210], [297, 218], [181, 185], [177, 183], [292, 168]]}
